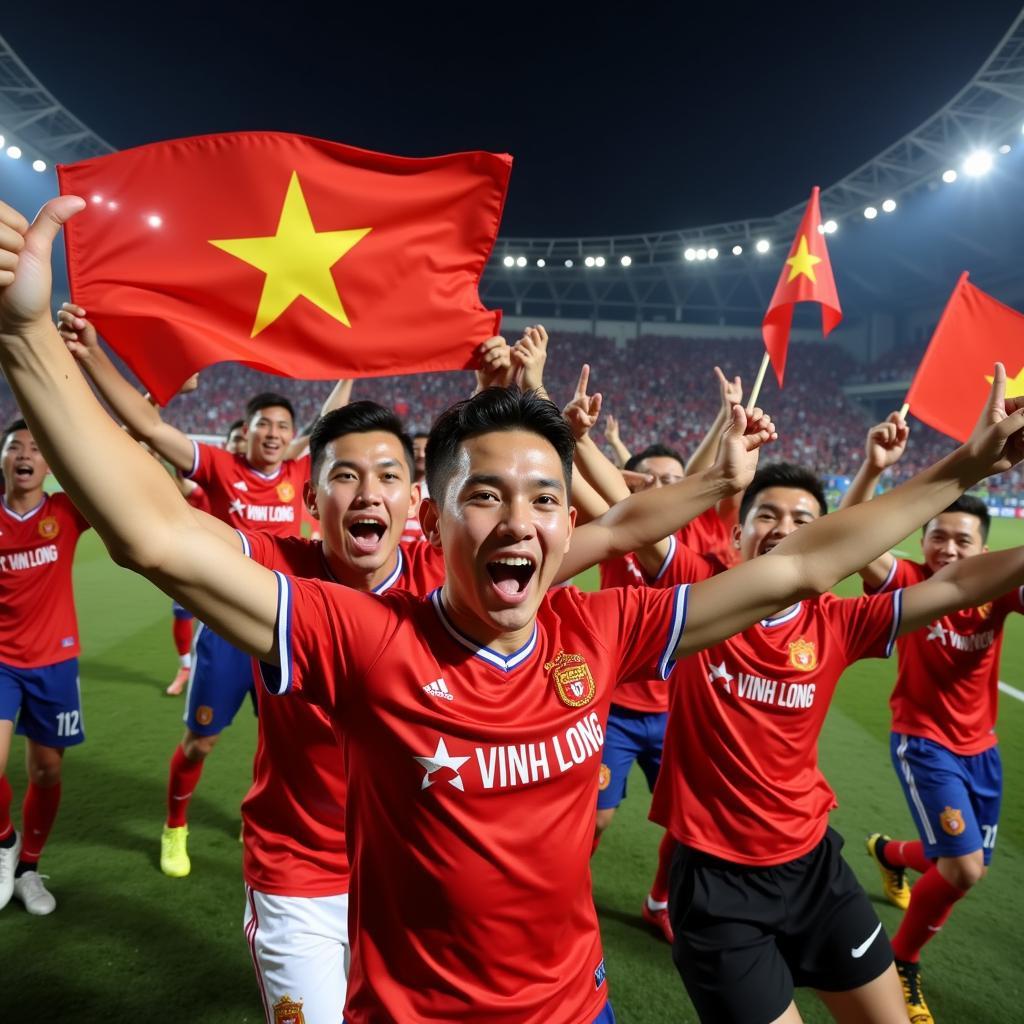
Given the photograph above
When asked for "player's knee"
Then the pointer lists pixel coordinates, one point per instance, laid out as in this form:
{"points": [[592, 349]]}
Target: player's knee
{"points": [[197, 748], [44, 768], [963, 872], [604, 819]]}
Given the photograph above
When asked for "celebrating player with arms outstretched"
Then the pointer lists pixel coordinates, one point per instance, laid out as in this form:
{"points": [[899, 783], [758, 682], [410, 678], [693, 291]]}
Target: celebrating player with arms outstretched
{"points": [[38, 657], [473, 789]]}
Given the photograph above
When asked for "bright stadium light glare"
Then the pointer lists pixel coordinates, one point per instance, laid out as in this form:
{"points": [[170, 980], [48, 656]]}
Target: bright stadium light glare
{"points": [[112, 205], [2, 141], [97, 199], [626, 260], [737, 250], [39, 165], [870, 213], [889, 205], [542, 262], [712, 253], [568, 263], [14, 152], [690, 254], [978, 163], [830, 227], [702, 254], [520, 261], [949, 176], [599, 261], [763, 245], [589, 261], [1005, 148], [154, 220], [509, 261]]}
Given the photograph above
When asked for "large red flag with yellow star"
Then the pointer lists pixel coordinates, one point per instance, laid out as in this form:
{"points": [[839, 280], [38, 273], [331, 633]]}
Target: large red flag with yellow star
{"points": [[806, 277], [293, 255], [974, 332]]}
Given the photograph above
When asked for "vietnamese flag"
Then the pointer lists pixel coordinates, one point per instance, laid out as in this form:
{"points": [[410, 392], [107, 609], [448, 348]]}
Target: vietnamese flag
{"points": [[952, 383], [806, 277], [290, 254]]}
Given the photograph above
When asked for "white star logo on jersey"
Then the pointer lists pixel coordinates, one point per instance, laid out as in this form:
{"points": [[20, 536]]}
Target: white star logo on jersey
{"points": [[240, 485], [237, 507], [719, 672], [441, 759], [936, 631]]}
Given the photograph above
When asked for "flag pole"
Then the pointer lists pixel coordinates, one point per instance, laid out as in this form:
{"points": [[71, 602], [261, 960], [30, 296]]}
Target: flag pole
{"points": [[904, 409], [758, 381]]}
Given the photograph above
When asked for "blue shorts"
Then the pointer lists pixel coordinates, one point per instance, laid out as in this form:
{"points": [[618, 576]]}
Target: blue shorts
{"points": [[180, 612], [629, 736], [220, 681], [954, 799], [46, 701]]}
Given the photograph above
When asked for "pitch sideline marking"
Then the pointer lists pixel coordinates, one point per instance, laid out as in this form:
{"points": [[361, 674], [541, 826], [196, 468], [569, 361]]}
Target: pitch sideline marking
{"points": [[1011, 691]]}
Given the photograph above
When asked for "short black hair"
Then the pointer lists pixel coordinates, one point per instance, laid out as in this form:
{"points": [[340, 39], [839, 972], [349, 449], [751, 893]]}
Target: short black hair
{"points": [[267, 400], [654, 451], [783, 474], [11, 428], [972, 506], [234, 426], [490, 410], [356, 418], [421, 433]]}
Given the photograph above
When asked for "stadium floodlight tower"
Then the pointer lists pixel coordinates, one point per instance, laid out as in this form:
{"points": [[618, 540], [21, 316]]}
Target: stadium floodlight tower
{"points": [[657, 283], [35, 120]]}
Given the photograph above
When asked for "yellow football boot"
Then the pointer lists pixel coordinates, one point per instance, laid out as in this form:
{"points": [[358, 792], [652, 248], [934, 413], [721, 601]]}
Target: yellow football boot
{"points": [[910, 979], [174, 860], [894, 880]]}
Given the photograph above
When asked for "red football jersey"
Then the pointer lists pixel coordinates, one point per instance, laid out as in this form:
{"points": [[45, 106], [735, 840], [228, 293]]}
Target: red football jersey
{"points": [[38, 625], [711, 535], [739, 774], [294, 813], [947, 686], [247, 499], [472, 791], [681, 565]]}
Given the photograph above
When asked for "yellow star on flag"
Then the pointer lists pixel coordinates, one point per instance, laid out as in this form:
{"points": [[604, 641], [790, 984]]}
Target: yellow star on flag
{"points": [[802, 262], [297, 260], [1014, 385]]}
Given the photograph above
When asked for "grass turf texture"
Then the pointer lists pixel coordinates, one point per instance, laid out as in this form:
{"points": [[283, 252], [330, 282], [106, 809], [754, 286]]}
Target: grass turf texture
{"points": [[126, 943]]}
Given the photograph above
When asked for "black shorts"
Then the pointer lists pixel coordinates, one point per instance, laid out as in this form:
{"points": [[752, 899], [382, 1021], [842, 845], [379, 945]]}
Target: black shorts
{"points": [[746, 936]]}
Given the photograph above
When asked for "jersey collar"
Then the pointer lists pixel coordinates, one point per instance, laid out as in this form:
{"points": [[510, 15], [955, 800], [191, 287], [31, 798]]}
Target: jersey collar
{"points": [[505, 663], [381, 587], [28, 515], [785, 617]]}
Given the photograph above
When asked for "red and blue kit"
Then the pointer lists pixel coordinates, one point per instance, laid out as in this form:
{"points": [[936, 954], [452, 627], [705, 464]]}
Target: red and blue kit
{"points": [[294, 813], [247, 499], [710, 535], [463, 764], [740, 778]]}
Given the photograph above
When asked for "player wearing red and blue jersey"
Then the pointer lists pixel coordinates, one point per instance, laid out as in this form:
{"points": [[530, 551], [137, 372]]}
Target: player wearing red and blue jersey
{"points": [[39, 649]]}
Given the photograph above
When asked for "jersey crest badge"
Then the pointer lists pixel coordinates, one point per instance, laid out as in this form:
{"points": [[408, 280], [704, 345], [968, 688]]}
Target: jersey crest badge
{"points": [[287, 1011], [604, 778], [573, 681], [285, 491], [48, 528], [952, 822], [204, 714], [803, 655], [985, 610]]}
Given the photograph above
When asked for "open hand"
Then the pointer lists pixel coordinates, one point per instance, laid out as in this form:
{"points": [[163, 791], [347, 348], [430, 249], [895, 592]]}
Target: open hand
{"points": [[997, 444]]}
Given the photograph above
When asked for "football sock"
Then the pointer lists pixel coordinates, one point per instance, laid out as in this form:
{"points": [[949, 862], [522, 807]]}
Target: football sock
{"points": [[659, 889], [904, 854], [181, 784], [6, 828], [931, 901], [185, 660], [38, 813], [182, 630]]}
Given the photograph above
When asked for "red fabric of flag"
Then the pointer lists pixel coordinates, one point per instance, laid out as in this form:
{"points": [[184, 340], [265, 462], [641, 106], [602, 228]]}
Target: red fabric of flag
{"points": [[806, 277], [290, 254], [952, 382]]}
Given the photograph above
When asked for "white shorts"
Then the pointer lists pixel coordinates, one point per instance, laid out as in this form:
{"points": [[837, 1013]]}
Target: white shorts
{"points": [[300, 949]]}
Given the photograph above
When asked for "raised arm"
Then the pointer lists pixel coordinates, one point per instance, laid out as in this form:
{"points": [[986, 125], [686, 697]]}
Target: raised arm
{"points": [[140, 416], [885, 445], [817, 556], [134, 506], [528, 356], [614, 439], [340, 396], [730, 393]]}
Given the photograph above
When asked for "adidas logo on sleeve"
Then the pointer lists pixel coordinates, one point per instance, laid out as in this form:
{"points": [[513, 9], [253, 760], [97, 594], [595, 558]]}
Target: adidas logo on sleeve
{"points": [[439, 688]]}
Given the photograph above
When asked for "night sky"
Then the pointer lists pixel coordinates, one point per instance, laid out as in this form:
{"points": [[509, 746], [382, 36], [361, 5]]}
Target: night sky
{"points": [[622, 118]]}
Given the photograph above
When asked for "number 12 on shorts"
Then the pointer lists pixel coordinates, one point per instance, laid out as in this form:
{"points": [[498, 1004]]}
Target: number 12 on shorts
{"points": [[67, 723]]}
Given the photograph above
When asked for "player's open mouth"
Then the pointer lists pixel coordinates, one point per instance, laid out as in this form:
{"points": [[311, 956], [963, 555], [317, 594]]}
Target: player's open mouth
{"points": [[511, 575], [367, 534], [25, 472]]}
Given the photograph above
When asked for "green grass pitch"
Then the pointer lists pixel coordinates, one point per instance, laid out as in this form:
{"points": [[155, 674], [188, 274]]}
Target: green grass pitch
{"points": [[128, 944]]}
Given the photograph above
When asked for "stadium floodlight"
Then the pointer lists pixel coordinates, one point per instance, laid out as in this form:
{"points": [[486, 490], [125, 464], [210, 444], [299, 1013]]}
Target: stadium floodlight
{"points": [[599, 261], [870, 213], [589, 261], [889, 205], [520, 261], [702, 254], [568, 264], [978, 163], [14, 152], [949, 176], [763, 245], [626, 260], [690, 254], [97, 199], [2, 141], [830, 227], [737, 250], [1005, 148], [154, 220], [39, 165], [542, 262], [112, 205], [712, 253], [509, 261]]}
